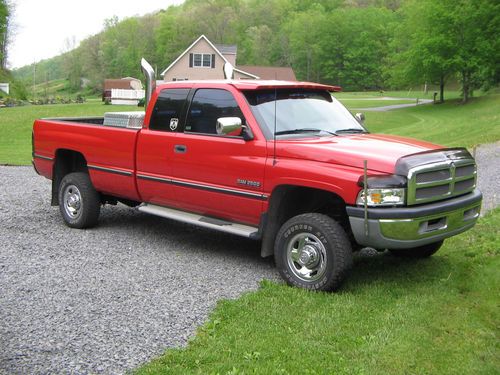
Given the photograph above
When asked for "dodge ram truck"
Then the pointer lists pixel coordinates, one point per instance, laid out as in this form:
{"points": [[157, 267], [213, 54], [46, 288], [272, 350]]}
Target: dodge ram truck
{"points": [[280, 162]]}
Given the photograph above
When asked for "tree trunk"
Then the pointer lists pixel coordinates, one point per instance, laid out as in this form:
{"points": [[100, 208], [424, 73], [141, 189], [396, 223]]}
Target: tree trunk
{"points": [[441, 89], [465, 86]]}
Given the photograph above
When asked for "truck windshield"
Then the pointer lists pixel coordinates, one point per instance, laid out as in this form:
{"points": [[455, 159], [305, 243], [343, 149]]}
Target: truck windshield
{"points": [[301, 112]]}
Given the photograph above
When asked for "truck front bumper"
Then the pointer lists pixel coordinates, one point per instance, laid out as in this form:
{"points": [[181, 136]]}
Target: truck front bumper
{"points": [[413, 226]]}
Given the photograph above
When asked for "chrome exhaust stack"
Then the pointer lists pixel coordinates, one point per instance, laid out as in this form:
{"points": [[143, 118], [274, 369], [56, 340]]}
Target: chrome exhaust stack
{"points": [[149, 73]]}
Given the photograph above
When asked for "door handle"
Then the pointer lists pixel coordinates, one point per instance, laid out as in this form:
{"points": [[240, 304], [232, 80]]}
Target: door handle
{"points": [[180, 149]]}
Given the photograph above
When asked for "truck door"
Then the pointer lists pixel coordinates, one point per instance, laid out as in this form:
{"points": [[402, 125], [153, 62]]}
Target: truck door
{"points": [[155, 147], [217, 175]]}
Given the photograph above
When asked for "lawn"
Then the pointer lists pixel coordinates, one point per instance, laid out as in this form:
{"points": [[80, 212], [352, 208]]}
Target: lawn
{"points": [[433, 316], [413, 94], [450, 124], [352, 103], [16, 124]]}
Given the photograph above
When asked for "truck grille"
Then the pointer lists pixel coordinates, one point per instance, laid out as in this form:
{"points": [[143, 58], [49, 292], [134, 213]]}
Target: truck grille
{"points": [[441, 180]]}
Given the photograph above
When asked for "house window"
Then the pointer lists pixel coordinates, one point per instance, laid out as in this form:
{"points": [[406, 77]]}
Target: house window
{"points": [[202, 60]]}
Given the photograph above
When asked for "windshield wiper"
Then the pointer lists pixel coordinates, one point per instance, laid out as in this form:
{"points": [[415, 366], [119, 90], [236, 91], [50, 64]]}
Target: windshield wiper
{"points": [[351, 130], [303, 130]]}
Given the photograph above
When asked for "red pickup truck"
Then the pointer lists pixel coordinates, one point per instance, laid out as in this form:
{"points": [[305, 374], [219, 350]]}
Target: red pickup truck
{"points": [[280, 162]]}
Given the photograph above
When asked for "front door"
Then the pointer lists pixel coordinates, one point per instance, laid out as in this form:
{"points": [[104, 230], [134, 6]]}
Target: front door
{"points": [[217, 175], [155, 147]]}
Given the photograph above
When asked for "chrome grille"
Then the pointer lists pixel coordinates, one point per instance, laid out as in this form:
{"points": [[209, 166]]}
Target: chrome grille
{"points": [[438, 181]]}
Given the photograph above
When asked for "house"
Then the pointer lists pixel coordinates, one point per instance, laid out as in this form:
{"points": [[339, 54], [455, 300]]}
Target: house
{"points": [[126, 90], [205, 60]]}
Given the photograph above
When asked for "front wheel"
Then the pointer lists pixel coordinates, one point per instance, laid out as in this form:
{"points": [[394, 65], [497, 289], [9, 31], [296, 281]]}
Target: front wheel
{"points": [[424, 251], [79, 202], [312, 251]]}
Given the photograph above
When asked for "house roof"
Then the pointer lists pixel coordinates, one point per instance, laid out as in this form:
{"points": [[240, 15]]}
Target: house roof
{"points": [[255, 72], [123, 83], [191, 46], [227, 49], [230, 48], [270, 72]]}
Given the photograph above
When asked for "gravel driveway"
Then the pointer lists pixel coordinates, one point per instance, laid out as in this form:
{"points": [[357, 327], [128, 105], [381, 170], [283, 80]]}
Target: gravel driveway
{"points": [[108, 299]]}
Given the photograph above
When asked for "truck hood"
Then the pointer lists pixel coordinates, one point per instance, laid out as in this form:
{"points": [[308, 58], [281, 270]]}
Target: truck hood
{"points": [[381, 151]]}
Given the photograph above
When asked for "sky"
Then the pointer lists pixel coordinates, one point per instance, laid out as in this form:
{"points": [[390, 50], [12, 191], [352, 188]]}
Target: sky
{"points": [[43, 28]]}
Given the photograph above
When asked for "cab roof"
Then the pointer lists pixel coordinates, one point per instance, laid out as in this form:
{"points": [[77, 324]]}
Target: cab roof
{"points": [[246, 85]]}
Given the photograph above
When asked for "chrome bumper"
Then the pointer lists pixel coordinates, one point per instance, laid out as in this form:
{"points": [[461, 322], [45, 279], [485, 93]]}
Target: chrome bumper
{"points": [[408, 227]]}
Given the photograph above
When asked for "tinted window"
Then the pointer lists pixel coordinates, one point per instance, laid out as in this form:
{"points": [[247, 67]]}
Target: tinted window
{"points": [[300, 112], [207, 106], [168, 110]]}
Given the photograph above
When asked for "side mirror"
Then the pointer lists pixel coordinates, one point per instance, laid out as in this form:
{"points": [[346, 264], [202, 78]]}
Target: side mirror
{"points": [[360, 117], [229, 126]]}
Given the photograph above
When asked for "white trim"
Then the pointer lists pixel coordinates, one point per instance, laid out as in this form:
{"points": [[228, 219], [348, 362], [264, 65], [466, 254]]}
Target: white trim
{"points": [[202, 65]]}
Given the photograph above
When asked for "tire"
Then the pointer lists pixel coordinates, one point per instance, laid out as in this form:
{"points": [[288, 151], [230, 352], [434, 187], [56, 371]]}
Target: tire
{"points": [[312, 251], [79, 202], [418, 252]]}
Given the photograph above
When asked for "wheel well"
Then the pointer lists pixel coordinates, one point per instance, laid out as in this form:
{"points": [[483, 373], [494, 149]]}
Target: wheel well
{"points": [[288, 201], [66, 161]]}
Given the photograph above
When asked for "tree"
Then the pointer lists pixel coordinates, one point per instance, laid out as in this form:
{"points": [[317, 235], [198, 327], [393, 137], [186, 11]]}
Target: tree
{"points": [[356, 47], [4, 29], [437, 40], [304, 33], [422, 49], [475, 31], [72, 63]]}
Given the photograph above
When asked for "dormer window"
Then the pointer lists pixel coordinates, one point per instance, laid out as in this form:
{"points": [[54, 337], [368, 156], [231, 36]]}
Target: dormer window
{"points": [[201, 60]]}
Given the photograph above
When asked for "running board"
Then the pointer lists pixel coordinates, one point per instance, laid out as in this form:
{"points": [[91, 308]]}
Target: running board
{"points": [[200, 220]]}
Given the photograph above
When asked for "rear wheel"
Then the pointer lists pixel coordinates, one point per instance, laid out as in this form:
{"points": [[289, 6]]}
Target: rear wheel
{"points": [[312, 251], [79, 202], [418, 252]]}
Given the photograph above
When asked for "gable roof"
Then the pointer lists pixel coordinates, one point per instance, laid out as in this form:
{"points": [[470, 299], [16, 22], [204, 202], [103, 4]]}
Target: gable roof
{"points": [[191, 46], [228, 49], [270, 72], [255, 72]]}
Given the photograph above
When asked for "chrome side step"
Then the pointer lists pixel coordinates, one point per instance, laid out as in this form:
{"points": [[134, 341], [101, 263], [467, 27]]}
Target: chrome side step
{"points": [[200, 220]]}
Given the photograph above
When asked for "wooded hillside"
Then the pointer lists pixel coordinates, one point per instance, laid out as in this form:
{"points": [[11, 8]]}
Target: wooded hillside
{"points": [[358, 44]]}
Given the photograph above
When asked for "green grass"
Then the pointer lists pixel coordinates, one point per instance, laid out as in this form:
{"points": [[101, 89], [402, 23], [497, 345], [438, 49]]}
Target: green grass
{"points": [[16, 125], [433, 316], [449, 124], [370, 103], [57, 88], [448, 94]]}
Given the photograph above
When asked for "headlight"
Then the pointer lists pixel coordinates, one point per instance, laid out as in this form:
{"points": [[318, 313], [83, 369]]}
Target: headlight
{"points": [[382, 197], [383, 191]]}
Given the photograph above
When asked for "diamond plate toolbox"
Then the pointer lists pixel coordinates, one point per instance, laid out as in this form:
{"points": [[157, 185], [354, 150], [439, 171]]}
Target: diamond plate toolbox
{"points": [[132, 120]]}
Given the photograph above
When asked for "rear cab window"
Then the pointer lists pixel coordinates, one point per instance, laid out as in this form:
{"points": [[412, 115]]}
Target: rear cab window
{"points": [[169, 110]]}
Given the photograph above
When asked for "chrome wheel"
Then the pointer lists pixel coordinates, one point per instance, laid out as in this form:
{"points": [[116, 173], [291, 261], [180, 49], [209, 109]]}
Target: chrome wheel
{"points": [[72, 201], [306, 257], [79, 202]]}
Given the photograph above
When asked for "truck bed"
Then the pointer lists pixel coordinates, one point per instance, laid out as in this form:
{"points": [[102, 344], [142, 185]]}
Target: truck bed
{"points": [[109, 151]]}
